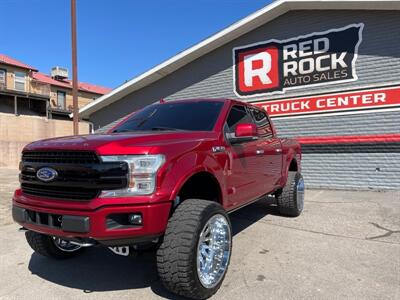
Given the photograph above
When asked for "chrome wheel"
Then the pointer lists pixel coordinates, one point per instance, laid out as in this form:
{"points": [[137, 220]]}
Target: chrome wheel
{"points": [[64, 245], [213, 251], [300, 194]]}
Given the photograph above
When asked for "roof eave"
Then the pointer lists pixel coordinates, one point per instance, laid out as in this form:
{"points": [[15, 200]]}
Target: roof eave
{"points": [[18, 66]]}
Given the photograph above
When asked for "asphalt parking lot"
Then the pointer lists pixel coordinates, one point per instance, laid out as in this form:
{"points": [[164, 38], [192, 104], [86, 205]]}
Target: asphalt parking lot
{"points": [[344, 245]]}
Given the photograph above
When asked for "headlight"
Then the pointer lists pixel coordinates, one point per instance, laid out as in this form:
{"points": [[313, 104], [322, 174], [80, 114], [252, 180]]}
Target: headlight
{"points": [[141, 175]]}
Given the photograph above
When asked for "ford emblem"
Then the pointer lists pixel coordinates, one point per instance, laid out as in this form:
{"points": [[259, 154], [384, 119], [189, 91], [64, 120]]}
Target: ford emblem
{"points": [[46, 174]]}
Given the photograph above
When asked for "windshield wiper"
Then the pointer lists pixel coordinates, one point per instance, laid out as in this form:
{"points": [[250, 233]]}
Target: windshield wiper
{"points": [[122, 130], [164, 128]]}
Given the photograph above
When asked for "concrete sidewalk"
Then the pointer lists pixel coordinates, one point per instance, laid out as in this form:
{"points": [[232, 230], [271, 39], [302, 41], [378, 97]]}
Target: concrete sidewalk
{"points": [[344, 245]]}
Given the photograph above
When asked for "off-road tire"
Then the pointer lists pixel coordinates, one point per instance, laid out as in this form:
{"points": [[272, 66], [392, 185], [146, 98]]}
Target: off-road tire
{"points": [[44, 245], [287, 197], [176, 257]]}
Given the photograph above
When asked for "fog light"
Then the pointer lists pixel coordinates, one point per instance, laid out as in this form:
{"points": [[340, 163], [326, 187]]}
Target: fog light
{"points": [[135, 219]]}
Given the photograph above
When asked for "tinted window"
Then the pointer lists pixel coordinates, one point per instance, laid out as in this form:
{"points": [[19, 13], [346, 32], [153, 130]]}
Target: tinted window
{"points": [[197, 116], [237, 115], [263, 125]]}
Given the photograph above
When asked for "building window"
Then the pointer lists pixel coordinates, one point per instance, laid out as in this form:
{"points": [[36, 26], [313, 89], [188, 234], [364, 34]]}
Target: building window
{"points": [[61, 99], [19, 81], [2, 78]]}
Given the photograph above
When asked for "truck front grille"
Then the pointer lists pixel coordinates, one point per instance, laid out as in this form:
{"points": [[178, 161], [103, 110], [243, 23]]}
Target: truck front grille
{"points": [[59, 193], [61, 157], [81, 176]]}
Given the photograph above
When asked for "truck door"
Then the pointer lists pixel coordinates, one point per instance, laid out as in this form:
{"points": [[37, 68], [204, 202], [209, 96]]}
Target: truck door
{"points": [[244, 163], [270, 148]]}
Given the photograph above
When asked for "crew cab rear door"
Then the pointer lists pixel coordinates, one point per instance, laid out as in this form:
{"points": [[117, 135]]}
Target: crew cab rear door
{"points": [[270, 150], [243, 180]]}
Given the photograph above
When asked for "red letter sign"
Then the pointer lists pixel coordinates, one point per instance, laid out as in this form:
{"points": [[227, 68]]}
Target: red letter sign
{"points": [[258, 69]]}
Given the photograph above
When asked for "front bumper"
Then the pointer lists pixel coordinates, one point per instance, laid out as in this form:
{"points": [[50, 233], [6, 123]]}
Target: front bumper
{"points": [[92, 224]]}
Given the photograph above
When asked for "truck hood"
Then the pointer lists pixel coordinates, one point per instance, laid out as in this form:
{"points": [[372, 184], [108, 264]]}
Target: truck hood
{"points": [[124, 143]]}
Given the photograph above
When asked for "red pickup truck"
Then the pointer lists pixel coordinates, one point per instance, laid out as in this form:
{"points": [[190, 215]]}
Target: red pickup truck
{"points": [[165, 178]]}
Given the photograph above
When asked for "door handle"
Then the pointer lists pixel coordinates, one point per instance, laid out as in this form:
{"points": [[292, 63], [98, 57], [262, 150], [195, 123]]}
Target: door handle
{"points": [[259, 152]]}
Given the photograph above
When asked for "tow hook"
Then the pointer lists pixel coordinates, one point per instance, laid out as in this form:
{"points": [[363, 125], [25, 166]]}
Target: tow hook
{"points": [[22, 229]]}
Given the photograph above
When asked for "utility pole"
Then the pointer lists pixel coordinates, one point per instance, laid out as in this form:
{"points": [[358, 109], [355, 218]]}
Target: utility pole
{"points": [[75, 110]]}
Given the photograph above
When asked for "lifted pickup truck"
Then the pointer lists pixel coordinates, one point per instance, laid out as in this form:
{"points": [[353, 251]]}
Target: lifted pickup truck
{"points": [[165, 178]]}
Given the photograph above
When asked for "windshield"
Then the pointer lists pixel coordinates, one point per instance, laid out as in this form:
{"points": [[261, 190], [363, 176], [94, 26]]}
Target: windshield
{"points": [[194, 116]]}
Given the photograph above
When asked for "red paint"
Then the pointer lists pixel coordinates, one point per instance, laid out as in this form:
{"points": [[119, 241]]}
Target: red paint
{"points": [[358, 100], [268, 66], [97, 218], [376, 138], [44, 78], [246, 130], [85, 87], [82, 86], [5, 59], [241, 173]]}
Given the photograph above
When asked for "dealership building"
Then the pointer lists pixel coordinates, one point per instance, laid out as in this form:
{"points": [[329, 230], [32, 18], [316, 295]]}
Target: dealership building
{"points": [[328, 73]]}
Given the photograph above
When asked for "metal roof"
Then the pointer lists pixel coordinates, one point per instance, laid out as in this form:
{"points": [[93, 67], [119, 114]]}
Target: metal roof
{"points": [[245, 25], [66, 83], [82, 86], [7, 60]]}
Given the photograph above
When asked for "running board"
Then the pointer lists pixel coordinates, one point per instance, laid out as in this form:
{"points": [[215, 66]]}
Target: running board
{"points": [[251, 202]]}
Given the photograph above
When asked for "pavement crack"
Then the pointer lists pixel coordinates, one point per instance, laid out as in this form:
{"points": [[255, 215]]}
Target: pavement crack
{"points": [[320, 232], [388, 232]]}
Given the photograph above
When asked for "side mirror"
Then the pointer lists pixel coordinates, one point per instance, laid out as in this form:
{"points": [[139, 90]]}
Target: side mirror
{"points": [[244, 132]]}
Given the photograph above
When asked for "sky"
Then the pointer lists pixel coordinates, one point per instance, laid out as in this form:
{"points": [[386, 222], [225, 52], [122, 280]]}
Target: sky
{"points": [[117, 39]]}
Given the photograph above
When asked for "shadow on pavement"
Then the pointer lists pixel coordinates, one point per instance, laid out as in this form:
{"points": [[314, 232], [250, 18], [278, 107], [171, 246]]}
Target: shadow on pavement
{"points": [[98, 269]]}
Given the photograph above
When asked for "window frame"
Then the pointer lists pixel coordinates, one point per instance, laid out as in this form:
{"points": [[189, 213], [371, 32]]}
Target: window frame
{"points": [[272, 135], [226, 127], [18, 79], [5, 77], [65, 99]]}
